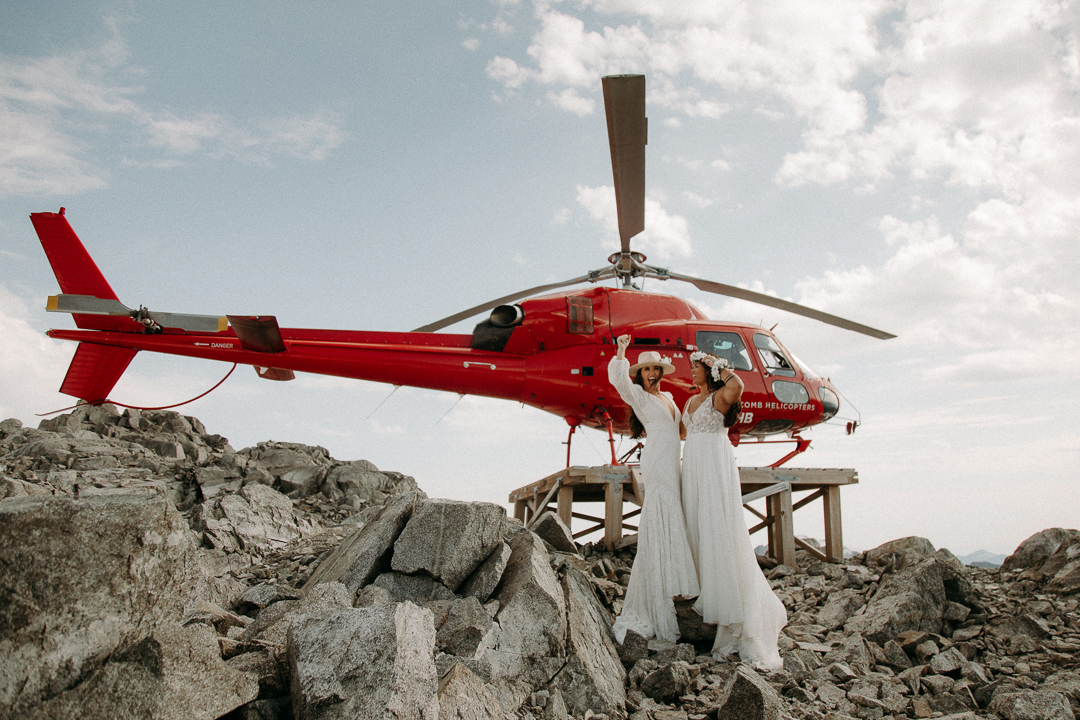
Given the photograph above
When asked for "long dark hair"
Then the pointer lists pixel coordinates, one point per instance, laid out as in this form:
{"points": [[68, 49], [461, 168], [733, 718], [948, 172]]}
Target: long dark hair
{"points": [[732, 414], [637, 430]]}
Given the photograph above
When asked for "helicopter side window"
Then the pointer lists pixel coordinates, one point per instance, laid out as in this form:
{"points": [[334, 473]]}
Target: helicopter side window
{"points": [[726, 345], [790, 392], [579, 315], [772, 357]]}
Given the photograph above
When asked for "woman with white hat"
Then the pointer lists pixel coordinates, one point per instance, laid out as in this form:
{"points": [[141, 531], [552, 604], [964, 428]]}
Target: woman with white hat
{"points": [[664, 565]]}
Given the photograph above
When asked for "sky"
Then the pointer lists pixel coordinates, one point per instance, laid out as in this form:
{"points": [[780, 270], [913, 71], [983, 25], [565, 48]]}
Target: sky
{"points": [[379, 165]]}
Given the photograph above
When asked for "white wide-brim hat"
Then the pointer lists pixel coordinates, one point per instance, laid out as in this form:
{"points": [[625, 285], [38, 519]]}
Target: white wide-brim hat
{"points": [[651, 357]]}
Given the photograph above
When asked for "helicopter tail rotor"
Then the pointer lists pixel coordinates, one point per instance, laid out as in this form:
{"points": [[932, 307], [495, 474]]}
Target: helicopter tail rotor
{"points": [[90, 305]]}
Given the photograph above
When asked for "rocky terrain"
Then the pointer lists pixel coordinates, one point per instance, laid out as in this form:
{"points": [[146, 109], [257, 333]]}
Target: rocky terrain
{"points": [[149, 570]]}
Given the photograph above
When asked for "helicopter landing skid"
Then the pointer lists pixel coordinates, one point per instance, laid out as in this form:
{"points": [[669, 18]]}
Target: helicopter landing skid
{"points": [[604, 417], [801, 446]]}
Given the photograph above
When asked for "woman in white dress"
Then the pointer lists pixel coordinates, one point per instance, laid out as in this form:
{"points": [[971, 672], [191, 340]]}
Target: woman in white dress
{"points": [[663, 567], [734, 593]]}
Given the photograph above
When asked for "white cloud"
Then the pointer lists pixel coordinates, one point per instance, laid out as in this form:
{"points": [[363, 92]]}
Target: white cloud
{"points": [[54, 110], [570, 101], [666, 236], [38, 362]]}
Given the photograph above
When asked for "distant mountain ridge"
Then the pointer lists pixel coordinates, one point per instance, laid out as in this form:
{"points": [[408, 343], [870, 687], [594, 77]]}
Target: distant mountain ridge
{"points": [[983, 559]]}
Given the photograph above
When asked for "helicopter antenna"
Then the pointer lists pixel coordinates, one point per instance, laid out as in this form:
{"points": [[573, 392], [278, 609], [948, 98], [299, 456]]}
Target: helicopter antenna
{"points": [[459, 397], [858, 419], [396, 388]]}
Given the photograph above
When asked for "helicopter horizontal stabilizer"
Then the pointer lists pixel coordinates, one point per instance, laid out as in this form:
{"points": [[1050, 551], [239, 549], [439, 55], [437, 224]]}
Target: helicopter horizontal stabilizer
{"points": [[259, 333], [94, 371]]}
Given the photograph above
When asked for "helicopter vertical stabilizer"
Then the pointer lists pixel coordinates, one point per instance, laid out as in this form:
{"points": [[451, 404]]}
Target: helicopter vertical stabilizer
{"points": [[76, 271]]}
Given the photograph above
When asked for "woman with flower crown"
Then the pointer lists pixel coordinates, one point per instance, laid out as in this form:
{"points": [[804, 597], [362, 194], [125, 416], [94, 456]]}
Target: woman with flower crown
{"points": [[734, 593], [663, 566]]}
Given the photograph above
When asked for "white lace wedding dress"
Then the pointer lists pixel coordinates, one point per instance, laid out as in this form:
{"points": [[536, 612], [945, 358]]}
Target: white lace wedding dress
{"points": [[664, 566], [734, 593]]}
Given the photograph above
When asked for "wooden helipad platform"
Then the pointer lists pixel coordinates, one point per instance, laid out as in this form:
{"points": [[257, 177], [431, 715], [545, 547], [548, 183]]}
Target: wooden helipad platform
{"points": [[614, 485]]}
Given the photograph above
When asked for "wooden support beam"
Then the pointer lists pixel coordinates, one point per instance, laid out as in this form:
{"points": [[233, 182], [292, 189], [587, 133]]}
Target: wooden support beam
{"points": [[810, 549], [782, 531], [566, 503], [834, 534], [613, 501]]}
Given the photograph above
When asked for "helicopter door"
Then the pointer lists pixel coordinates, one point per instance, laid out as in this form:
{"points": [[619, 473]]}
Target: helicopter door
{"points": [[731, 346]]}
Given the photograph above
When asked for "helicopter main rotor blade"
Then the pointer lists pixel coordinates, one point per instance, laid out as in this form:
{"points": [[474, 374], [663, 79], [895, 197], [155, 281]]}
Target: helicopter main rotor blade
{"points": [[762, 299], [464, 314], [628, 131]]}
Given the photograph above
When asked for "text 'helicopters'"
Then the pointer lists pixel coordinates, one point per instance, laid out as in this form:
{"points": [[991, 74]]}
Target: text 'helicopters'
{"points": [[550, 352]]}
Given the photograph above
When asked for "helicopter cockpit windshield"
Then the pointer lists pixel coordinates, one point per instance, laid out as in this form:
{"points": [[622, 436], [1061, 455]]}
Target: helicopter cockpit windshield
{"points": [[772, 357], [726, 345]]}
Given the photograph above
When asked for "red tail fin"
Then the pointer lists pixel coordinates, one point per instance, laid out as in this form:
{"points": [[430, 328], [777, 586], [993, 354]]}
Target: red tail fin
{"points": [[94, 371], [76, 271]]}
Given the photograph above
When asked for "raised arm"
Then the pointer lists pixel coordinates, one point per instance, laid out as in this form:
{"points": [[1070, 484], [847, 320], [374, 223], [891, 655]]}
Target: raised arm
{"points": [[619, 375], [731, 393]]}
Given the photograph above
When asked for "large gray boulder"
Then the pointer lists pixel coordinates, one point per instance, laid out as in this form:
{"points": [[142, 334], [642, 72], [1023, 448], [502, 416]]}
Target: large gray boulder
{"points": [[366, 553], [256, 520], [913, 545], [469, 631], [82, 578], [552, 530], [1031, 705], [913, 599], [593, 677], [532, 615], [838, 607], [364, 663], [463, 696], [176, 673], [418, 589], [449, 539], [749, 697], [1036, 548], [486, 578]]}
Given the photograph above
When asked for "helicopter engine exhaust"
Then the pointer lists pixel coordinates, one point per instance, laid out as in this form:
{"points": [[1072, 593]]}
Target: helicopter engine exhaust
{"points": [[506, 316], [493, 333]]}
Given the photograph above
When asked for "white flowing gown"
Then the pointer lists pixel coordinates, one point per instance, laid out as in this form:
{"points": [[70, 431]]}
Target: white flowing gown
{"points": [[664, 566], [734, 593]]}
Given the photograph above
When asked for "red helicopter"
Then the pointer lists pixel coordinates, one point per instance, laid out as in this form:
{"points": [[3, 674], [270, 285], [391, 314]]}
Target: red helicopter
{"points": [[550, 352]]}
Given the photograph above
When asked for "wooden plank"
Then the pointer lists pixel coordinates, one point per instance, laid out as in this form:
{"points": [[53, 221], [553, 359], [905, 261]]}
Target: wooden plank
{"points": [[834, 534], [800, 476], [810, 549], [626, 541], [766, 491], [538, 510], [638, 484], [519, 510]]}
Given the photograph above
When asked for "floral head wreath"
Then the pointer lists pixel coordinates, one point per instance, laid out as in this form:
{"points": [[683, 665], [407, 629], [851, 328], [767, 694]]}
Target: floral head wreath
{"points": [[717, 364]]}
